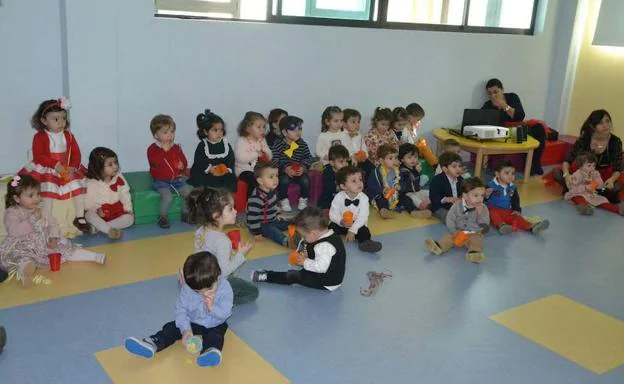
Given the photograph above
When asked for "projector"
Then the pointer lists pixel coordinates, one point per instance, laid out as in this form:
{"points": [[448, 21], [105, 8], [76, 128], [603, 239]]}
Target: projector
{"points": [[485, 132]]}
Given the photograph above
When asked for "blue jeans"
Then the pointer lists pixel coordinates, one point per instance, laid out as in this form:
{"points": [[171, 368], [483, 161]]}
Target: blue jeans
{"points": [[285, 180], [274, 230]]}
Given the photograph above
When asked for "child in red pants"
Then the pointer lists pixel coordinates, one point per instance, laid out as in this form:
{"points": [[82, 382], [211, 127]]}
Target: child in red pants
{"points": [[585, 185], [503, 202]]}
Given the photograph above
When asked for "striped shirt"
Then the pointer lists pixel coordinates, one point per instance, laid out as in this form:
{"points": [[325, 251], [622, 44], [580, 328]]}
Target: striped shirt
{"points": [[261, 210], [300, 155]]}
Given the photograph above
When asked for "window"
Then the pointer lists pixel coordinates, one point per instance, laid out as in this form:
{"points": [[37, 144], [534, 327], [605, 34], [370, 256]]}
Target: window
{"points": [[494, 16]]}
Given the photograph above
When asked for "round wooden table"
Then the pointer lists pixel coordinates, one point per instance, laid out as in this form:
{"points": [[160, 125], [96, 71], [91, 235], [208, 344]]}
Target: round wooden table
{"points": [[483, 148]]}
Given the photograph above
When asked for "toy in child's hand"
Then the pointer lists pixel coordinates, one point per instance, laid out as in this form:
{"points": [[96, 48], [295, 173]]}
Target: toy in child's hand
{"points": [[291, 230], [426, 152], [296, 167], [360, 155], [293, 258], [389, 193], [347, 217], [235, 237], [66, 174], [593, 185], [460, 238], [194, 344], [219, 170]]}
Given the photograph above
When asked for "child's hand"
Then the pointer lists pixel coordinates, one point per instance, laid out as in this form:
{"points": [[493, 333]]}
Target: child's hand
{"points": [[244, 247], [289, 171], [488, 192], [71, 171], [609, 184], [100, 212], [52, 243], [209, 301], [59, 168], [186, 335], [180, 166], [419, 167], [299, 172], [479, 209], [301, 258], [350, 237]]}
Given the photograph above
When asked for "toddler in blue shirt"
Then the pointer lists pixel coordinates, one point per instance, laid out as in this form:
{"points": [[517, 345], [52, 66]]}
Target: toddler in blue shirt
{"points": [[204, 305]]}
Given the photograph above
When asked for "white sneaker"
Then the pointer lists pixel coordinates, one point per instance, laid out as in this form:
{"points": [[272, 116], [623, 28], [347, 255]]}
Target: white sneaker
{"points": [[303, 203], [286, 205]]}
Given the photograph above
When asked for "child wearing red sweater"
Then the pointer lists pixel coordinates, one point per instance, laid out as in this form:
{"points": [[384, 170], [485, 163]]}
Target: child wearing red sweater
{"points": [[168, 167]]}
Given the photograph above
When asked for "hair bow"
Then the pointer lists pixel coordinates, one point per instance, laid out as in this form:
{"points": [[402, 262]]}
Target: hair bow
{"points": [[15, 181], [64, 103]]}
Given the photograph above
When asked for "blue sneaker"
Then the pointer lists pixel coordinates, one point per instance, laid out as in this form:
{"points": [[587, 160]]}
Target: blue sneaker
{"points": [[143, 348], [210, 358]]}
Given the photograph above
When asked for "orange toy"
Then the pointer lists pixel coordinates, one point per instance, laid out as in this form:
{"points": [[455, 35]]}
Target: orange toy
{"points": [[65, 174], [295, 167], [390, 193], [348, 218], [360, 155], [292, 258], [291, 230], [426, 152], [220, 170], [594, 185], [460, 238]]}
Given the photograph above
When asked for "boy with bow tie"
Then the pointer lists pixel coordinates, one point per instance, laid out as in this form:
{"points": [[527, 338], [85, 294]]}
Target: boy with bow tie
{"points": [[349, 210], [466, 221]]}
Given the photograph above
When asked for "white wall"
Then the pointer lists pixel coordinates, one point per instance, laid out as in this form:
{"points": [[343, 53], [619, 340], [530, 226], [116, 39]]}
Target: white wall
{"points": [[30, 72], [125, 66]]}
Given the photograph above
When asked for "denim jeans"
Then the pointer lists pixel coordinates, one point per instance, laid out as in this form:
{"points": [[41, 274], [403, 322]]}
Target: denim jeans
{"points": [[285, 180], [273, 231]]}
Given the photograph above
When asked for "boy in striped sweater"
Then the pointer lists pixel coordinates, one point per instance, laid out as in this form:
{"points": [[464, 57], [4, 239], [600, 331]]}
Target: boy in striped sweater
{"points": [[263, 219], [293, 158]]}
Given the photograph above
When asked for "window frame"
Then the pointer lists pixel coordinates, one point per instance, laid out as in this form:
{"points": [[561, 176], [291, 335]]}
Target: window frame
{"points": [[381, 6]]}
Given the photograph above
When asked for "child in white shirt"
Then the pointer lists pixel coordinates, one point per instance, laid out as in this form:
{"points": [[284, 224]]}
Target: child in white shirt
{"points": [[355, 142], [331, 132], [349, 210]]}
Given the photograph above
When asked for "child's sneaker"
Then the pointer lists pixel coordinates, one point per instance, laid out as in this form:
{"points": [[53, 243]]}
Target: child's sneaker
{"points": [[26, 272], [82, 225], [370, 246], [433, 247], [505, 229], [114, 234], [285, 205], [210, 358], [100, 258], [475, 257], [303, 203], [259, 276], [421, 214], [540, 227], [163, 222], [585, 209], [143, 348], [385, 213]]}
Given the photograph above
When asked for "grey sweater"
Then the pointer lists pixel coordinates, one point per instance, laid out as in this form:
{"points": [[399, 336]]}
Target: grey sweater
{"points": [[460, 218]]}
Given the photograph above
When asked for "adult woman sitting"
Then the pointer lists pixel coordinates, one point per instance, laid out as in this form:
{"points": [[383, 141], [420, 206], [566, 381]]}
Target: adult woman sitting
{"points": [[597, 138], [511, 111]]}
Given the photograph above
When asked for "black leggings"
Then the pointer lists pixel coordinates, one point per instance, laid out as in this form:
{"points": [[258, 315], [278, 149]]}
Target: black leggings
{"points": [[538, 132]]}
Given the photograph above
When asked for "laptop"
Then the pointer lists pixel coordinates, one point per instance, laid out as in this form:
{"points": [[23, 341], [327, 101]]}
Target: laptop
{"points": [[477, 117]]}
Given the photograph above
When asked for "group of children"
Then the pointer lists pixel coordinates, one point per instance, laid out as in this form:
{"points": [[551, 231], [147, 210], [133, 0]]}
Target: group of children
{"points": [[381, 168]]}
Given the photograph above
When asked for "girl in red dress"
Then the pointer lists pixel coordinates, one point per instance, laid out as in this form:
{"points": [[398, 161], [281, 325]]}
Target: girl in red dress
{"points": [[56, 159]]}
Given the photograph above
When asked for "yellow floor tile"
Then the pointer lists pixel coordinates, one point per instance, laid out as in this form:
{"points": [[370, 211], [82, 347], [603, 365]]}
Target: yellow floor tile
{"points": [[240, 364], [587, 337]]}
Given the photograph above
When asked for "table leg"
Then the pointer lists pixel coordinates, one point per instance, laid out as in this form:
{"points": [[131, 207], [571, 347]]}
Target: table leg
{"points": [[527, 166], [478, 163]]}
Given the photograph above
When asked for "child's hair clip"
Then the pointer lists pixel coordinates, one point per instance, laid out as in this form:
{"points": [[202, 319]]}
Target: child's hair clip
{"points": [[64, 103], [15, 181]]}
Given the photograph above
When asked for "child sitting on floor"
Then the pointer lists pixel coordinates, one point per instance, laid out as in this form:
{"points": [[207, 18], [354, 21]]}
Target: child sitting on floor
{"points": [[452, 145], [323, 260], [331, 133], [445, 188], [213, 209], [263, 219], [355, 141], [467, 219], [274, 134], [384, 183], [585, 185], [107, 203], [203, 307], [338, 159], [293, 158], [411, 197], [251, 147], [349, 210], [33, 233], [503, 202]]}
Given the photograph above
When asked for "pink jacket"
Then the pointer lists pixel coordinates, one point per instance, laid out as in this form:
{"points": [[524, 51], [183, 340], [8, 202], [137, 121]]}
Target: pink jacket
{"points": [[19, 222], [247, 152]]}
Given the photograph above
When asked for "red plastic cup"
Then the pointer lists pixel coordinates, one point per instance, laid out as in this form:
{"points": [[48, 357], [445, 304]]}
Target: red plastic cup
{"points": [[55, 261], [235, 237]]}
